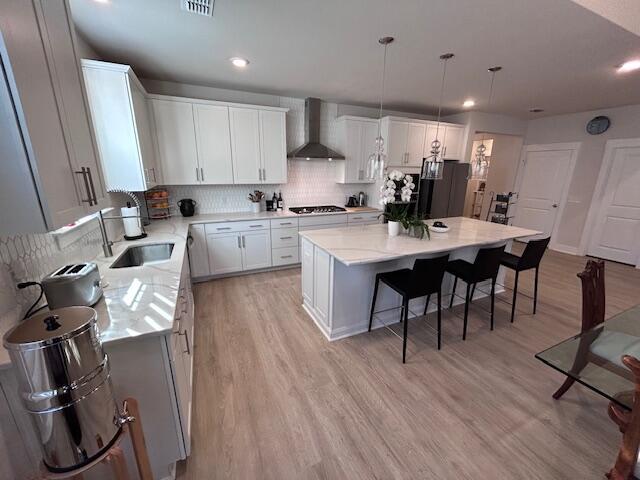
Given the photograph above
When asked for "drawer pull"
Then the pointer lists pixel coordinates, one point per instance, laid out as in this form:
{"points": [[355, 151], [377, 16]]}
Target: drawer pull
{"points": [[286, 223], [255, 226], [286, 256], [356, 218], [223, 228], [285, 238]]}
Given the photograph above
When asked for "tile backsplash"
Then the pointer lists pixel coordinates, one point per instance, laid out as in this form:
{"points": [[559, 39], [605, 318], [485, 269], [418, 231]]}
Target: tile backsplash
{"points": [[32, 256], [309, 183]]}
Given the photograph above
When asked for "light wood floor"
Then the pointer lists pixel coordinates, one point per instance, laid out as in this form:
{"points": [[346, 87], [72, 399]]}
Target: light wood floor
{"points": [[274, 400]]}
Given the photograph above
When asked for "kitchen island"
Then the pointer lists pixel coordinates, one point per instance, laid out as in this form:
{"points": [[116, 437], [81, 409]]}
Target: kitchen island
{"points": [[339, 266]]}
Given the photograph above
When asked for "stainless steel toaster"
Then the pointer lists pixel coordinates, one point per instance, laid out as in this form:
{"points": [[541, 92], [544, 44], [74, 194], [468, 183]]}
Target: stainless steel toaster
{"points": [[74, 284]]}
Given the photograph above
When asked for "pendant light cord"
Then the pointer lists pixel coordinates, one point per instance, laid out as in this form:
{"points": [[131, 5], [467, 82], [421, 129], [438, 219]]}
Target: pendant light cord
{"points": [[384, 71], [493, 77], [445, 58]]}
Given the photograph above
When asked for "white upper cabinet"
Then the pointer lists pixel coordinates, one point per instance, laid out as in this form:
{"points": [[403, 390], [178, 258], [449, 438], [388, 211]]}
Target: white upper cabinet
{"points": [[395, 140], [121, 120], [245, 145], [408, 141], [176, 141], [453, 142], [357, 140], [415, 144], [214, 144], [47, 120], [273, 146]]}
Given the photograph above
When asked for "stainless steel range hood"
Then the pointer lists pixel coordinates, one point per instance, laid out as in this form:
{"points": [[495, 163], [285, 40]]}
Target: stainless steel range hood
{"points": [[312, 148]]}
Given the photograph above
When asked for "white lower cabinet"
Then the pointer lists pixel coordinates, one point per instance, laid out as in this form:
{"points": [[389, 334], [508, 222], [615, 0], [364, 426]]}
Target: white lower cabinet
{"points": [[225, 253], [307, 272], [256, 250], [198, 253], [238, 251]]}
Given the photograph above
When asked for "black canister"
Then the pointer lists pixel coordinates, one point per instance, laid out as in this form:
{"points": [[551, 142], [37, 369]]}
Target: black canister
{"points": [[187, 207]]}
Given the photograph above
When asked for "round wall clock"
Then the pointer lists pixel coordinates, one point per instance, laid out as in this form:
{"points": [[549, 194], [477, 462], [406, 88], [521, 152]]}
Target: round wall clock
{"points": [[598, 125]]}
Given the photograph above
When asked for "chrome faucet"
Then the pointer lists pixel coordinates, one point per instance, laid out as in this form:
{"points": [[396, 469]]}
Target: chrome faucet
{"points": [[106, 243]]}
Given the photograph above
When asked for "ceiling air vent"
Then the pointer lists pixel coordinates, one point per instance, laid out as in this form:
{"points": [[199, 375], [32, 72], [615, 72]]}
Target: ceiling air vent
{"points": [[201, 7]]}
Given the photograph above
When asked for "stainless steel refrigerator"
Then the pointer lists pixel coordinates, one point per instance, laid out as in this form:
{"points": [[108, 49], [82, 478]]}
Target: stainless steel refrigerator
{"points": [[445, 197]]}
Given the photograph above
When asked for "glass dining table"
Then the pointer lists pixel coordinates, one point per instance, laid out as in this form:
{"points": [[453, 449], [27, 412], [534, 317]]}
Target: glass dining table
{"points": [[594, 357]]}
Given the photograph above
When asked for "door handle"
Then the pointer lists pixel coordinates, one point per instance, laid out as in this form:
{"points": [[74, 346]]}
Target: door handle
{"points": [[186, 341], [260, 174], [93, 190], [239, 246], [201, 174], [83, 172], [243, 244], [197, 175], [264, 174], [153, 169]]}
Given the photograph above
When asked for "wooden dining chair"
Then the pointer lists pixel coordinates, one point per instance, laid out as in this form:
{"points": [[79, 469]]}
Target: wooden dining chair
{"points": [[593, 303]]}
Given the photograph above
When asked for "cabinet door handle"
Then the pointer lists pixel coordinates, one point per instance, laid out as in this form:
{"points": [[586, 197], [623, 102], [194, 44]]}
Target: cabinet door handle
{"points": [[197, 175], [286, 223], [356, 218], [243, 244], [260, 174], [255, 226], [93, 190], [201, 174], [264, 174], [186, 341], [223, 228], [285, 238], [83, 172], [153, 169], [286, 256], [239, 246]]}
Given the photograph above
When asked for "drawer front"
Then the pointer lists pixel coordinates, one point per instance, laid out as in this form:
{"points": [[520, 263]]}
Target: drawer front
{"points": [[367, 217], [284, 237], [311, 220], [285, 256], [284, 223], [244, 226]]}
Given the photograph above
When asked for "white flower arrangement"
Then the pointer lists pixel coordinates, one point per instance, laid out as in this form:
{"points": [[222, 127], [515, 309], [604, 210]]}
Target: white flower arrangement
{"points": [[392, 181]]}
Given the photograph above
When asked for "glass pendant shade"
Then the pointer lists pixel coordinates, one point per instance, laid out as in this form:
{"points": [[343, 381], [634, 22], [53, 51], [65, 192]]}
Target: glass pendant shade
{"points": [[377, 162], [480, 167], [433, 165]]}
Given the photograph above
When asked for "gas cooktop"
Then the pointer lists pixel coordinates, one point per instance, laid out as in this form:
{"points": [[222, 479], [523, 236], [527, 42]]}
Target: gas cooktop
{"points": [[320, 209]]}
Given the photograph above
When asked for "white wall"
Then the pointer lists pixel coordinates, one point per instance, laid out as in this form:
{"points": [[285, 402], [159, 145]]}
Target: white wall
{"points": [[625, 123]]}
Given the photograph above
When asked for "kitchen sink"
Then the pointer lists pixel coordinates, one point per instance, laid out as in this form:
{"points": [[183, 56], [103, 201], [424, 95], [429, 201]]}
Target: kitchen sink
{"points": [[142, 254]]}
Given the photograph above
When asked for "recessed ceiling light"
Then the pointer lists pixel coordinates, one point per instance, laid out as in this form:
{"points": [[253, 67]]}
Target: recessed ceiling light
{"points": [[536, 110], [239, 62], [101, 1], [629, 66], [468, 103]]}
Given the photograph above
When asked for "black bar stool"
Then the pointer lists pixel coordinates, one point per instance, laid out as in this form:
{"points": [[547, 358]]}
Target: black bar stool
{"points": [[424, 279], [484, 267], [531, 258]]}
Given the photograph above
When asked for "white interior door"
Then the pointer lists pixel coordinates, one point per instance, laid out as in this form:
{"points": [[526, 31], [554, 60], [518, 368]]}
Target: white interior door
{"points": [[616, 232], [544, 181]]}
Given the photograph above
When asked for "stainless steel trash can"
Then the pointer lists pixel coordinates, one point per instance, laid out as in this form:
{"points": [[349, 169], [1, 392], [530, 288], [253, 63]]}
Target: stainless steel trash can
{"points": [[65, 385]]}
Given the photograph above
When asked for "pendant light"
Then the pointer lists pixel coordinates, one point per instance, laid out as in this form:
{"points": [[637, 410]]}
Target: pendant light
{"points": [[481, 167], [377, 162], [433, 165]]}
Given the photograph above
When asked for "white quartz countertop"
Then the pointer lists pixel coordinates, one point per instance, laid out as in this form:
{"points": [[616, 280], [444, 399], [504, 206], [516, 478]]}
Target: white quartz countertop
{"points": [[141, 301], [371, 243]]}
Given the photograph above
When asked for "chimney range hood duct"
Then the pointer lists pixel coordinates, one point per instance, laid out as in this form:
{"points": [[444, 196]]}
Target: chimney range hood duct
{"points": [[312, 148]]}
